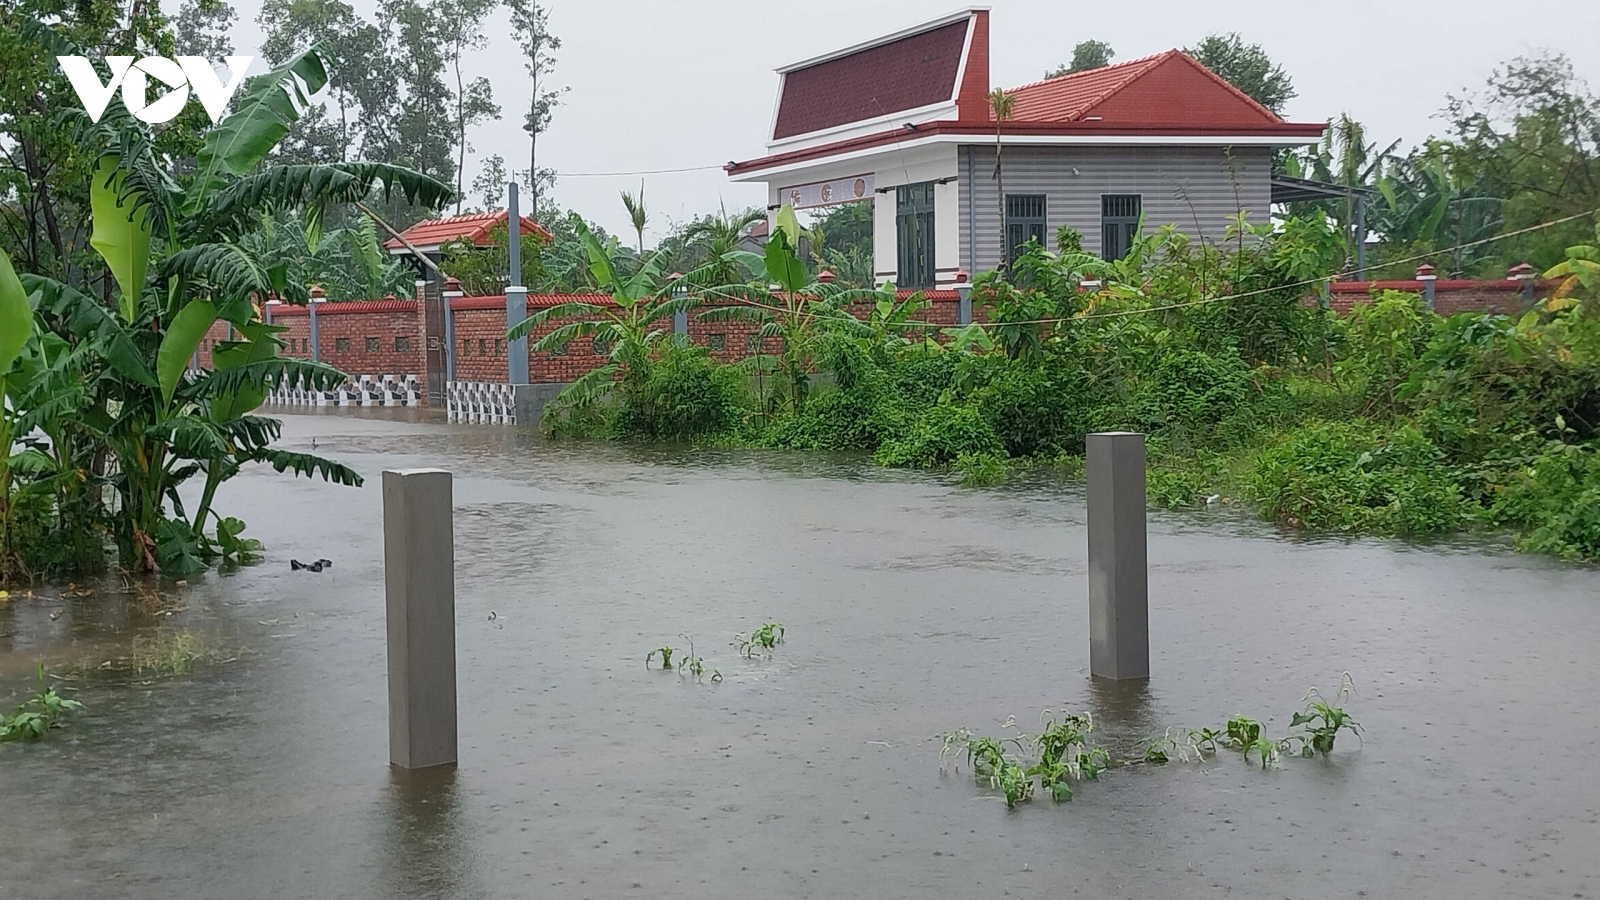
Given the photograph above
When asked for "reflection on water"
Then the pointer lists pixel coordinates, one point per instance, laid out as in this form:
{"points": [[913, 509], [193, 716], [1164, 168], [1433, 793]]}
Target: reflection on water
{"points": [[422, 851]]}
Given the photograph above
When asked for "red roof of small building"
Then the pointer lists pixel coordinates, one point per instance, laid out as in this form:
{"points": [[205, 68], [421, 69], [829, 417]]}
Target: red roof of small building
{"points": [[433, 233]]}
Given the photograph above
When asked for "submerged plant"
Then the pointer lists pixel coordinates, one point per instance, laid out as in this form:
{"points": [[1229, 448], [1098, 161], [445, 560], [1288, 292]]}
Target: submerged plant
{"points": [[38, 715], [762, 640], [1051, 760], [1323, 720], [666, 657], [695, 665]]}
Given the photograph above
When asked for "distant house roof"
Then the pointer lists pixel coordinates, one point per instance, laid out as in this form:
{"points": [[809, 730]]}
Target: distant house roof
{"points": [[431, 234], [1165, 98]]}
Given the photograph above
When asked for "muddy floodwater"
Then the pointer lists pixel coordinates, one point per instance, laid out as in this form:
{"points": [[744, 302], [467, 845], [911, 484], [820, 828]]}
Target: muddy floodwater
{"points": [[912, 606]]}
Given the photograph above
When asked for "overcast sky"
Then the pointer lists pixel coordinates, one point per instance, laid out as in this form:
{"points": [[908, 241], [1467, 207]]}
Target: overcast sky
{"points": [[667, 85]]}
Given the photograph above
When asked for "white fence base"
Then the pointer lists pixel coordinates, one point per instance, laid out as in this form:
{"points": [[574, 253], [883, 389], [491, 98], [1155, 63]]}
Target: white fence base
{"points": [[481, 402], [365, 390]]}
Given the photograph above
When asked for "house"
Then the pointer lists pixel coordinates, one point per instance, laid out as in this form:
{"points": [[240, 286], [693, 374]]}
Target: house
{"points": [[431, 235], [904, 122]]}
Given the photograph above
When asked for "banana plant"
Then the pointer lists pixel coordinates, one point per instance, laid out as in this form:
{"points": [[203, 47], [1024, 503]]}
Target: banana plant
{"points": [[789, 305], [631, 318], [176, 247], [1579, 274]]}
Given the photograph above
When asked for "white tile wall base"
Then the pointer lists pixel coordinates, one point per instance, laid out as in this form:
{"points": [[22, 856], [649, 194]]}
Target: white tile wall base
{"points": [[365, 390], [481, 402]]}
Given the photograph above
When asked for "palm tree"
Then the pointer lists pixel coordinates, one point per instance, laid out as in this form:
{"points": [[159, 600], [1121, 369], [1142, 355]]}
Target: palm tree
{"points": [[636, 214], [1001, 105], [715, 237]]}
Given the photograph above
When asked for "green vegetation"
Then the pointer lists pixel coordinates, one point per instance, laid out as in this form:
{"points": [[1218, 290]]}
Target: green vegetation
{"points": [[1063, 752], [688, 663], [762, 640], [169, 652], [1391, 420], [38, 715]]}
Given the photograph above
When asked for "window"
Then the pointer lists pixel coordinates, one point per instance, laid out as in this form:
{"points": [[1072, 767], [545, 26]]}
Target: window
{"points": [[560, 349], [913, 220], [499, 347], [403, 343], [371, 344], [1025, 222], [482, 344], [466, 346], [601, 345], [341, 345], [753, 343], [1119, 223], [716, 342]]}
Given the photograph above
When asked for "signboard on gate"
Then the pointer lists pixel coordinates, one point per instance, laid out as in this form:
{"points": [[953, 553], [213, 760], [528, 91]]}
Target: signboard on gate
{"points": [[853, 189]]}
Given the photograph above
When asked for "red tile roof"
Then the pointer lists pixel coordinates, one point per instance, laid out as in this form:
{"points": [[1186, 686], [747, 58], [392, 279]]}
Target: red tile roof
{"points": [[432, 233], [1168, 89], [908, 72]]}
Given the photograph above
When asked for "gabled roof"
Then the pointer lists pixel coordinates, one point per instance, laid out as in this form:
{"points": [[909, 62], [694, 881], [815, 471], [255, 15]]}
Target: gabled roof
{"points": [[431, 234], [1167, 89]]}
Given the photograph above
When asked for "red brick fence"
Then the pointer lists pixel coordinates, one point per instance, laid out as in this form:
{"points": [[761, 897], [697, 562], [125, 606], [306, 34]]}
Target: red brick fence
{"points": [[382, 343]]}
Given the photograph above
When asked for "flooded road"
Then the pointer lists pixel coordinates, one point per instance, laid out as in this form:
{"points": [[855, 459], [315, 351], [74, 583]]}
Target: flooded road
{"points": [[912, 606]]}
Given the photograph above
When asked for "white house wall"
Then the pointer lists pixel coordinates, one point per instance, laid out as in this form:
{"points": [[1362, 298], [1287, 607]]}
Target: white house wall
{"points": [[1196, 188], [926, 164]]}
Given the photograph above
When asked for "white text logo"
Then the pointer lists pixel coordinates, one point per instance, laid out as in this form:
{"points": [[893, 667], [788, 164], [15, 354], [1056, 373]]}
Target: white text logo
{"points": [[188, 72]]}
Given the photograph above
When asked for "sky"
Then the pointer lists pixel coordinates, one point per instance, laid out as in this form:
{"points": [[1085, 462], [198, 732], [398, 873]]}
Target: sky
{"points": [[689, 83]]}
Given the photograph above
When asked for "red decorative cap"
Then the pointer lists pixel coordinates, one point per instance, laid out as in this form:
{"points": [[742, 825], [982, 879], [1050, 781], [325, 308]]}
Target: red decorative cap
{"points": [[1426, 270], [453, 285], [825, 276], [962, 276], [316, 292], [675, 276], [388, 296], [1521, 270]]}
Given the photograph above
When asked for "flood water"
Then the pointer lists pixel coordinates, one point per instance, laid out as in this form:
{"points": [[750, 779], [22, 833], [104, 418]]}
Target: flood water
{"points": [[912, 606]]}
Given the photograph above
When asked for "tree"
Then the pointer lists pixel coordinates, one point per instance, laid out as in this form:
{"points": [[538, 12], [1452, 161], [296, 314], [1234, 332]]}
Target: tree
{"points": [[1001, 105], [1246, 67], [357, 119], [421, 133], [637, 214], [1532, 137], [1086, 55], [461, 22], [530, 24], [202, 29]]}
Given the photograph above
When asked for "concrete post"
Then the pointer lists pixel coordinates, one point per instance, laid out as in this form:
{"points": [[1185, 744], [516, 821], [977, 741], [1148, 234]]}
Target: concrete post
{"points": [[1361, 237], [450, 335], [1119, 595], [316, 331], [516, 292], [1428, 276], [419, 581], [963, 298]]}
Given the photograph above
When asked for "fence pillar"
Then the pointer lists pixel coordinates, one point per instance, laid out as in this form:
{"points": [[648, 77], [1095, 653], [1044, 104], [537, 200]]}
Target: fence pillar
{"points": [[963, 298], [1426, 275], [1119, 596], [419, 583], [316, 331], [450, 336]]}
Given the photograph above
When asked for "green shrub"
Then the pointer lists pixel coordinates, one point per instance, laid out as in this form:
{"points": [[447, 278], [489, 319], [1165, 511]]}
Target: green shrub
{"points": [[1190, 393], [1175, 488], [1554, 502], [1358, 477], [981, 469], [685, 395], [938, 436], [1036, 410], [860, 418]]}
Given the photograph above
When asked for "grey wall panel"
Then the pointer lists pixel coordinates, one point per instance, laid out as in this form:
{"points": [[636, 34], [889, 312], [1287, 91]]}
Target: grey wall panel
{"points": [[1195, 188]]}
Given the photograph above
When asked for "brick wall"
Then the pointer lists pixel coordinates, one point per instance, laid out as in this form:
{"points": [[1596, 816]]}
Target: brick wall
{"points": [[1449, 296]]}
